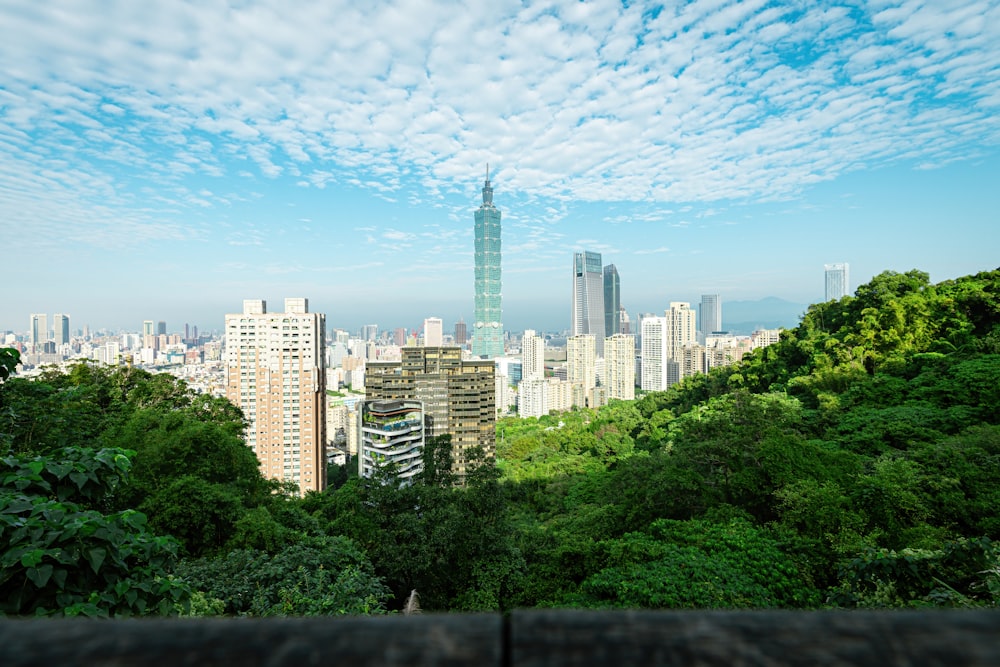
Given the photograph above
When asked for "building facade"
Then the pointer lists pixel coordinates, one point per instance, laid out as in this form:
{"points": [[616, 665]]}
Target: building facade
{"points": [[709, 315], [392, 436], [458, 396], [433, 332], [581, 360], [612, 300], [487, 331], [275, 373], [837, 281], [619, 366], [588, 297], [532, 356]]}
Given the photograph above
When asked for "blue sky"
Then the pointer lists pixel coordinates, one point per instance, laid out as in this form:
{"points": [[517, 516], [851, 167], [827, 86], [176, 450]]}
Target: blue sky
{"points": [[166, 160]]}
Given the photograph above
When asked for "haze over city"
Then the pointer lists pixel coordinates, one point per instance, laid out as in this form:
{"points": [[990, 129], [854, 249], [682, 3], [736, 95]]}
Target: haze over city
{"points": [[168, 160]]}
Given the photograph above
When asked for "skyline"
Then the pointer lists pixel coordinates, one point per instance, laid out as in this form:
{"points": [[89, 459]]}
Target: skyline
{"points": [[337, 152]]}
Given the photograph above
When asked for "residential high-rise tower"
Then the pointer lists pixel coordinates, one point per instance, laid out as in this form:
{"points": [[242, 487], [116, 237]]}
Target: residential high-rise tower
{"points": [[588, 298], [837, 281], [276, 373], [619, 366], [487, 331]]}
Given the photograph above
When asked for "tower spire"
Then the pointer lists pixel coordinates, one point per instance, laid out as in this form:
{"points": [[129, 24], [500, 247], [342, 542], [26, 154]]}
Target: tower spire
{"points": [[487, 189]]}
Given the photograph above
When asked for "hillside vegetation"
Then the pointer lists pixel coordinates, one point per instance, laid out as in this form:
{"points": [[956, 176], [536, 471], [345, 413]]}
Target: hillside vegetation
{"points": [[854, 464]]}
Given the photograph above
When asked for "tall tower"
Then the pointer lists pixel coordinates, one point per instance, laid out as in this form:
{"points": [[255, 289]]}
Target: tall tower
{"points": [[532, 356], [487, 332], [837, 281], [433, 332], [588, 298], [710, 314], [60, 323], [39, 328], [619, 366], [581, 360], [276, 374], [612, 300]]}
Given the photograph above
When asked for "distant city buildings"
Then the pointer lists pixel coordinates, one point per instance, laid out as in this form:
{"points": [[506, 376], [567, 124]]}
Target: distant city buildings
{"points": [[487, 331], [275, 373], [461, 333], [837, 281], [619, 366], [588, 297]]}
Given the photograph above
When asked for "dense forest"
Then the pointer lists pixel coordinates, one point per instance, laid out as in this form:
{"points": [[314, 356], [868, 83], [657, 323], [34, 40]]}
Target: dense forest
{"points": [[856, 463]]}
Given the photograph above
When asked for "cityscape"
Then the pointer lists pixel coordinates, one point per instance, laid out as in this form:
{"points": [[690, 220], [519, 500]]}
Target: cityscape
{"points": [[368, 308], [313, 398]]}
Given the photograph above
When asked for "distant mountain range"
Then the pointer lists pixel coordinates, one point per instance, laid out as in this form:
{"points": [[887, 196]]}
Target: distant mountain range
{"points": [[744, 317]]}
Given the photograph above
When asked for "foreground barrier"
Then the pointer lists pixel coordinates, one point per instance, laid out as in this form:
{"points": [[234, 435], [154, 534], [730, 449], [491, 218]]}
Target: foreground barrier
{"points": [[529, 638]]}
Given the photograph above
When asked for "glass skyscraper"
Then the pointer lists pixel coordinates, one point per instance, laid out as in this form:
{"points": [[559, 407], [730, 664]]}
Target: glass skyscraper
{"points": [[487, 332], [837, 281], [588, 298], [612, 300]]}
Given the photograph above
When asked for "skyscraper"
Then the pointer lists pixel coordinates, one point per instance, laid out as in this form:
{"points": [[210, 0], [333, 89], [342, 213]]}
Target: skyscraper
{"points": [[60, 323], [433, 332], [461, 332], [710, 314], [837, 281], [588, 297], [161, 328], [612, 300], [655, 353], [581, 360], [487, 332], [458, 396], [276, 373], [681, 332], [532, 356], [39, 328]]}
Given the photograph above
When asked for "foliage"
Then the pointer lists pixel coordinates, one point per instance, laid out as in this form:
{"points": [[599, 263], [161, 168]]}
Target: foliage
{"points": [[59, 556]]}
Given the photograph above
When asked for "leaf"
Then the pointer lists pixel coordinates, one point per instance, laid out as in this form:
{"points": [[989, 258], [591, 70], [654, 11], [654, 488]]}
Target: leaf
{"points": [[96, 556], [32, 558], [40, 575]]}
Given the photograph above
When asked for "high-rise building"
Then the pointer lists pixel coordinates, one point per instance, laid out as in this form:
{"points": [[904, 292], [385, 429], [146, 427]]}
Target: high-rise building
{"points": [[458, 396], [619, 366], [655, 353], [532, 356], [710, 314], [461, 332], [275, 373], [392, 434], [487, 332], [369, 332], [433, 332], [588, 297], [161, 328], [148, 328], [581, 360], [682, 332], [399, 336], [612, 300], [837, 281], [60, 323], [39, 329]]}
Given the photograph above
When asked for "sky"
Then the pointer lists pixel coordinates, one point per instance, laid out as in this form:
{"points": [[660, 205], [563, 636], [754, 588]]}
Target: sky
{"points": [[166, 160]]}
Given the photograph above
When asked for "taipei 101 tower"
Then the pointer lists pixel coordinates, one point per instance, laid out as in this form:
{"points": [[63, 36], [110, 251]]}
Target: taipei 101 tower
{"points": [[487, 332]]}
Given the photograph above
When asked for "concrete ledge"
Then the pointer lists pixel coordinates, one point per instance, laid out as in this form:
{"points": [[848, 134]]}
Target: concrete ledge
{"points": [[526, 638]]}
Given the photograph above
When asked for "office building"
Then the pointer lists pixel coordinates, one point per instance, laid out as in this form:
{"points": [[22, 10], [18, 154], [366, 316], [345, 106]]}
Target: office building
{"points": [[461, 333], [710, 315], [275, 373], [588, 297], [148, 328], [39, 330], [369, 332], [392, 436], [458, 396], [60, 325], [612, 300], [837, 281], [433, 332], [487, 331], [161, 328], [619, 366]]}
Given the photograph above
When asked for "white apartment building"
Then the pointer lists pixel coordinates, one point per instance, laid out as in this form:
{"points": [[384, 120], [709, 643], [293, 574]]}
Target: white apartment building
{"points": [[275, 372], [532, 356], [581, 360], [655, 354], [619, 366]]}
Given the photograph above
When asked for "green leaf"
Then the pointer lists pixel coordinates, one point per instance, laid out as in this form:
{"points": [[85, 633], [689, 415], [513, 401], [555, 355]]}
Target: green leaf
{"points": [[40, 575], [96, 556], [32, 558]]}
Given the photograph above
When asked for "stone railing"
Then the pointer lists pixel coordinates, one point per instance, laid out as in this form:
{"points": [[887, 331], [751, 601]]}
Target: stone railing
{"points": [[521, 639]]}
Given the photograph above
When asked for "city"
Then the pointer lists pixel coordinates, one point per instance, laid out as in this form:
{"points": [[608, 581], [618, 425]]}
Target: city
{"points": [[368, 309]]}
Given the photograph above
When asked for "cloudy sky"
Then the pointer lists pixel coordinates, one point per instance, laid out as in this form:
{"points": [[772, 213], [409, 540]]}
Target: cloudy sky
{"points": [[166, 160]]}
